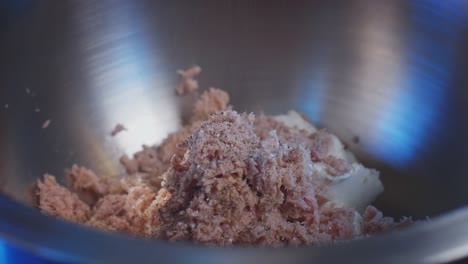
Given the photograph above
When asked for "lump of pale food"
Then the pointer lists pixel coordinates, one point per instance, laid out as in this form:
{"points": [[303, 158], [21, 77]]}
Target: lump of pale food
{"points": [[294, 121], [229, 178], [342, 188]]}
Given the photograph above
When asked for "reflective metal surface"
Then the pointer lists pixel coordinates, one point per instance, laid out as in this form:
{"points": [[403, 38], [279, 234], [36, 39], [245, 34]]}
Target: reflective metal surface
{"points": [[389, 77]]}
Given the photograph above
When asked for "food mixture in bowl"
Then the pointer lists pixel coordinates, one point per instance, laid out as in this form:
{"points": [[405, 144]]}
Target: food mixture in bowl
{"points": [[229, 178]]}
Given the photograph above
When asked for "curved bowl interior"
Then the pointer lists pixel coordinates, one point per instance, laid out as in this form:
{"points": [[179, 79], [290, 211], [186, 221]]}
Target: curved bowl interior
{"points": [[388, 77]]}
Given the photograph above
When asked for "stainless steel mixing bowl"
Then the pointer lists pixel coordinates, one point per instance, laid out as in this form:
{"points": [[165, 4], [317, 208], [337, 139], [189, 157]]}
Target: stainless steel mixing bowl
{"points": [[389, 77]]}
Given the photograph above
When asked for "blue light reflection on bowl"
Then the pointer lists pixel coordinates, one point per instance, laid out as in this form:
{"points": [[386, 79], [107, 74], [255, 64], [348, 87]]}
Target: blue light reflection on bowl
{"points": [[411, 109], [416, 112], [12, 254], [310, 100]]}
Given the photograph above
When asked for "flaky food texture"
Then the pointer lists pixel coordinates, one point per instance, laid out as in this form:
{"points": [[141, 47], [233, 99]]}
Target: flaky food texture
{"points": [[229, 178]]}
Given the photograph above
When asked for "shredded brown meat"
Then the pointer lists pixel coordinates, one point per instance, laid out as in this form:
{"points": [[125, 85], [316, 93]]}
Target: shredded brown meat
{"points": [[225, 178], [57, 201], [187, 82], [117, 129]]}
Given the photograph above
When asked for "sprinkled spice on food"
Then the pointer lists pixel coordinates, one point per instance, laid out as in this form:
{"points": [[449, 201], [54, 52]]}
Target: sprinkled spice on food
{"points": [[229, 178]]}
